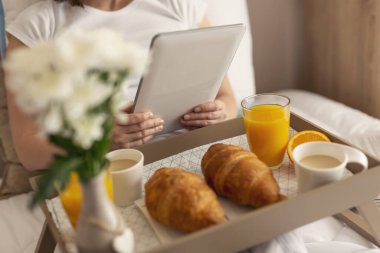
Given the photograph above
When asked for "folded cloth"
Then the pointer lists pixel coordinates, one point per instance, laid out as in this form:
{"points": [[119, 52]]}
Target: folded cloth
{"points": [[290, 242], [330, 235], [338, 247], [322, 236]]}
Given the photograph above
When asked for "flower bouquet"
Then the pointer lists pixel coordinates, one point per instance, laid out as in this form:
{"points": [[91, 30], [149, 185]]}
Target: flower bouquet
{"points": [[74, 89]]}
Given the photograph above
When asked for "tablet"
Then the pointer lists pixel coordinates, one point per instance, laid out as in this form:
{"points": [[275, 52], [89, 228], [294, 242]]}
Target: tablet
{"points": [[187, 69]]}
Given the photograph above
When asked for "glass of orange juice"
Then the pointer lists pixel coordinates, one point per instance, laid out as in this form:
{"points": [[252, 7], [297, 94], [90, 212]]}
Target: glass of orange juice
{"points": [[71, 197], [266, 121]]}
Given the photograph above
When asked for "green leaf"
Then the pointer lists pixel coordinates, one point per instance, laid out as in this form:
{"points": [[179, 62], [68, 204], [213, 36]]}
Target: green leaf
{"points": [[104, 76], [91, 167], [67, 144], [57, 175], [101, 147]]}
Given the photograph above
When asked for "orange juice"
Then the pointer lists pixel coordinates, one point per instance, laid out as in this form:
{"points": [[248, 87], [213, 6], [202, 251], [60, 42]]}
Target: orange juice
{"points": [[267, 129], [71, 197]]}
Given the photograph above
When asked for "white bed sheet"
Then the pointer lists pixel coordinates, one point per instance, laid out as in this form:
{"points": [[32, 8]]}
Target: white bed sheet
{"points": [[19, 226]]}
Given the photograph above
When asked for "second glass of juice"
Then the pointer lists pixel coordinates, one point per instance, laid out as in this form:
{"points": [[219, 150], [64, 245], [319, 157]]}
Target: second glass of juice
{"points": [[266, 122], [71, 198]]}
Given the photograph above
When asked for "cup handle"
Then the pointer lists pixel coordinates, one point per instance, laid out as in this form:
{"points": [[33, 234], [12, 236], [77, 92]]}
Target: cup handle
{"points": [[357, 160]]}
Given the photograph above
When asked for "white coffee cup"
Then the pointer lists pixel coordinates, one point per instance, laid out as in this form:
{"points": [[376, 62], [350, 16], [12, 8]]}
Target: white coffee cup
{"points": [[126, 169], [318, 163]]}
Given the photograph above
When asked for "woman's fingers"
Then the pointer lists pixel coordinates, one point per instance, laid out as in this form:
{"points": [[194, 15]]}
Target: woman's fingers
{"points": [[205, 114], [201, 119], [198, 123], [212, 106], [123, 144], [141, 134], [139, 129], [151, 123], [135, 118]]}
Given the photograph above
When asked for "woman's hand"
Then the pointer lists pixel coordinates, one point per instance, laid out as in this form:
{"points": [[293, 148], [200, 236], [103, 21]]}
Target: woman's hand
{"points": [[205, 114], [139, 129]]}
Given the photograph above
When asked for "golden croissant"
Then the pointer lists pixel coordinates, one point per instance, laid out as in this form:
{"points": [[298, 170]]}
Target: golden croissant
{"points": [[240, 176], [182, 200]]}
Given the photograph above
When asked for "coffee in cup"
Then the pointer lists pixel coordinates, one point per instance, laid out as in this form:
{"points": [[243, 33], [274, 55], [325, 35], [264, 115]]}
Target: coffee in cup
{"points": [[121, 164], [126, 169], [318, 163]]}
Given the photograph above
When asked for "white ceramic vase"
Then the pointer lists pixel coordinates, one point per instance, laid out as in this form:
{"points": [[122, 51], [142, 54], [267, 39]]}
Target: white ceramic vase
{"points": [[99, 223]]}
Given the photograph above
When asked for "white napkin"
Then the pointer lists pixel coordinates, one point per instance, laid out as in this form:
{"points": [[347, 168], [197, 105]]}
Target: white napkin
{"points": [[330, 235], [164, 234], [338, 247], [290, 242]]}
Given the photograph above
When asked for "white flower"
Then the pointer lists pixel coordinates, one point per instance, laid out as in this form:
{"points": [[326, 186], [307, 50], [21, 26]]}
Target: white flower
{"points": [[102, 49], [36, 78], [89, 93], [88, 129], [78, 53], [64, 83], [52, 122], [119, 103], [134, 59]]}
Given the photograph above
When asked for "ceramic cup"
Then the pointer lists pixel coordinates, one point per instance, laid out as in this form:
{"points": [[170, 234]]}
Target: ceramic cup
{"points": [[126, 169], [318, 163]]}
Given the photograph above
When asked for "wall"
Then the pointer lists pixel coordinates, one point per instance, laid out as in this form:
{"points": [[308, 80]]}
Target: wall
{"points": [[342, 51], [330, 47], [277, 27]]}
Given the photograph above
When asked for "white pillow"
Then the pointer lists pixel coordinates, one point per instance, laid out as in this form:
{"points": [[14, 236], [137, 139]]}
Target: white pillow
{"points": [[352, 125], [241, 74]]}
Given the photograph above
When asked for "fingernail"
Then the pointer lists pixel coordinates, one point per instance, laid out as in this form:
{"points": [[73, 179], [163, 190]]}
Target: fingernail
{"points": [[186, 117], [160, 127], [197, 109], [149, 114], [161, 121]]}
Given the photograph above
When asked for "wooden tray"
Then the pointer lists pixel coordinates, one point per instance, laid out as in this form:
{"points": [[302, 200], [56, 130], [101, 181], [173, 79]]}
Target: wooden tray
{"points": [[265, 223]]}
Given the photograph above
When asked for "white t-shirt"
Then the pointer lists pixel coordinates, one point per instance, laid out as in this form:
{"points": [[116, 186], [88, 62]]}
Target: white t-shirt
{"points": [[139, 21]]}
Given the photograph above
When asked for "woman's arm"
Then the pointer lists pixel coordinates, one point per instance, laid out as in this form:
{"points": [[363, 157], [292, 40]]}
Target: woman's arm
{"points": [[33, 151], [222, 108], [225, 93]]}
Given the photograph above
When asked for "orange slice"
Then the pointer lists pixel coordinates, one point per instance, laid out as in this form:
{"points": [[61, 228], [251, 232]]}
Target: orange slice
{"points": [[302, 137]]}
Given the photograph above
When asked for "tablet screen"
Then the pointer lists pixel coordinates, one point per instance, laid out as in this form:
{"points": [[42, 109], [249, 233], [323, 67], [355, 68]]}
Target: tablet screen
{"points": [[187, 69]]}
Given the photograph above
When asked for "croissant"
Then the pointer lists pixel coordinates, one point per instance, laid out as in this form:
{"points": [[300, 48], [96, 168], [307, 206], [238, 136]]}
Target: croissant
{"points": [[182, 200], [240, 176]]}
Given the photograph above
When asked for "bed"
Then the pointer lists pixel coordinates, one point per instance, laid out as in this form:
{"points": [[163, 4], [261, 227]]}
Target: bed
{"points": [[20, 227]]}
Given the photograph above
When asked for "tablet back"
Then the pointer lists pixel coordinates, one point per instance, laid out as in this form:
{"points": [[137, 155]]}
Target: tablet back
{"points": [[187, 69]]}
